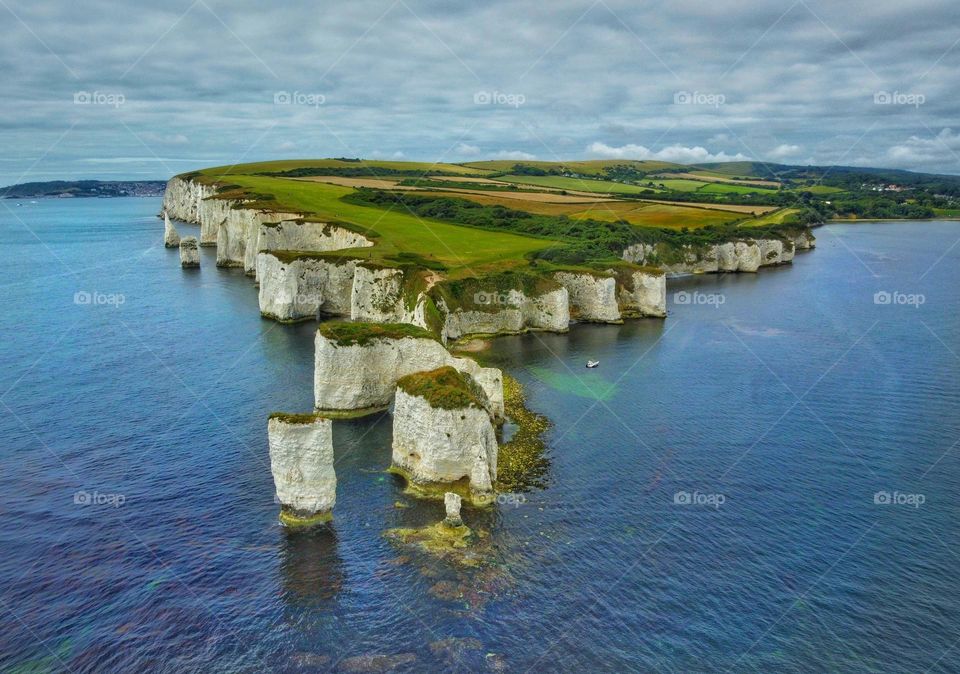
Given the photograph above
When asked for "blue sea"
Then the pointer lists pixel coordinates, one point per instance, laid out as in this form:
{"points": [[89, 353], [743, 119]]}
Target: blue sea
{"points": [[766, 481]]}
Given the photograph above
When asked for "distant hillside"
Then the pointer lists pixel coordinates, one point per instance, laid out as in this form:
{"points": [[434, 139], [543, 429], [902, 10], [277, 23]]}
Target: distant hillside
{"points": [[841, 175], [85, 188]]}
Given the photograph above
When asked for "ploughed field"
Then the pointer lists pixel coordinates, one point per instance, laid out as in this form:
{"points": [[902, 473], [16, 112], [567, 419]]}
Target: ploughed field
{"points": [[471, 218]]}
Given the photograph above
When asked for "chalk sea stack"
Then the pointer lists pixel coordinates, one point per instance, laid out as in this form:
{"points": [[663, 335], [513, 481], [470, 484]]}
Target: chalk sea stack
{"points": [[189, 252], [443, 435], [171, 238], [301, 459]]}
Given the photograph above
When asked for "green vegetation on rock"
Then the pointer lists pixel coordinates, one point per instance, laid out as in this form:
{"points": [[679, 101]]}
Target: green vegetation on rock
{"points": [[307, 418], [444, 388], [344, 333]]}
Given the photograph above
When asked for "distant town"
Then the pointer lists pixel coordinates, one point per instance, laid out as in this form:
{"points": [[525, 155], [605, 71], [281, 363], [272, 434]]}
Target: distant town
{"points": [[67, 189]]}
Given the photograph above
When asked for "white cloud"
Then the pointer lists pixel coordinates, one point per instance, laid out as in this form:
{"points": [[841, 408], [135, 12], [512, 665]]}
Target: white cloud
{"points": [[467, 150], [287, 145], [381, 154], [944, 148], [514, 154], [673, 153], [784, 150]]}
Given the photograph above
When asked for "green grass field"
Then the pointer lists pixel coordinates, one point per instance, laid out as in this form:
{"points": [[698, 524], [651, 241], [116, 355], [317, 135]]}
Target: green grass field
{"points": [[817, 189], [658, 215], [452, 245], [679, 184], [727, 188], [772, 218], [581, 185]]}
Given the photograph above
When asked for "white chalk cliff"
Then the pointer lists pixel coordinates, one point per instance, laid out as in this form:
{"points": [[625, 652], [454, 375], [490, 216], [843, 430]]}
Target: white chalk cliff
{"points": [[377, 297], [301, 460], [510, 312], [643, 294], [746, 255], [240, 233], [304, 287], [592, 297], [363, 376], [433, 445]]}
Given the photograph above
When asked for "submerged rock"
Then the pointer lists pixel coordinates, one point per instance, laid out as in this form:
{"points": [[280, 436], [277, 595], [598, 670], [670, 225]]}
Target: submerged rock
{"points": [[171, 238], [459, 652], [376, 663], [443, 432], [301, 460], [189, 252]]}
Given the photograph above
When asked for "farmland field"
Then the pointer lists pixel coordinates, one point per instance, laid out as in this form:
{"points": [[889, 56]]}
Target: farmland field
{"points": [[583, 185], [503, 228]]}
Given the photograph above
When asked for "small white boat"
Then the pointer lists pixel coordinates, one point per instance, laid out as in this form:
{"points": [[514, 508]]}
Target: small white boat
{"points": [[593, 363]]}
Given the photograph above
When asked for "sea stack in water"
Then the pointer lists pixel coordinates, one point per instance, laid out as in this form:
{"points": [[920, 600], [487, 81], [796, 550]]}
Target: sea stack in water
{"points": [[171, 239], [301, 459], [452, 503], [189, 252], [443, 433]]}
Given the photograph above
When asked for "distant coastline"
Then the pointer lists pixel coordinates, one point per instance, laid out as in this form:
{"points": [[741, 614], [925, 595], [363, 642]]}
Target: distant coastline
{"points": [[77, 189]]}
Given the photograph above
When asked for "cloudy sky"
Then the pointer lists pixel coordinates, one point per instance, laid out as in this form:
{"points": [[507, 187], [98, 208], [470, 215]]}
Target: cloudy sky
{"points": [[138, 89]]}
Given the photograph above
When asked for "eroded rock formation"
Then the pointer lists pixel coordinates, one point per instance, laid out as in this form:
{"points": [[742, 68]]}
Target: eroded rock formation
{"points": [[357, 365], [189, 252], [642, 293], [442, 431], [505, 312], [592, 297], [301, 460], [746, 255], [298, 287], [451, 504], [171, 238]]}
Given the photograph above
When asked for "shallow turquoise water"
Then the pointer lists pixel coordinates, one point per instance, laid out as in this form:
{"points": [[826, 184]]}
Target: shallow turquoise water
{"points": [[712, 489]]}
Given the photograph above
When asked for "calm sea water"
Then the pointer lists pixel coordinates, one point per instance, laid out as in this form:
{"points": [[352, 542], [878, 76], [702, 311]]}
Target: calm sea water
{"points": [[766, 481]]}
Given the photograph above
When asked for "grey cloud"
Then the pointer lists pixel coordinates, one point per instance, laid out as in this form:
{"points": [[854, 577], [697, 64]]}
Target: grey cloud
{"points": [[399, 80]]}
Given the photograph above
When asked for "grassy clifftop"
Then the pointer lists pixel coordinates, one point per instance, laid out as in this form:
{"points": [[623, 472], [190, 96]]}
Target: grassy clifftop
{"points": [[472, 220], [348, 334], [444, 388]]}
